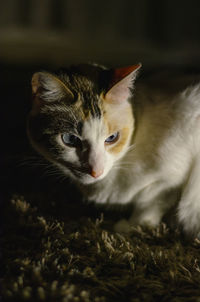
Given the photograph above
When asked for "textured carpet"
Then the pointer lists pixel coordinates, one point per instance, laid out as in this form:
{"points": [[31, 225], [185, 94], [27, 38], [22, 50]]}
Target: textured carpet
{"points": [[51, 255]]}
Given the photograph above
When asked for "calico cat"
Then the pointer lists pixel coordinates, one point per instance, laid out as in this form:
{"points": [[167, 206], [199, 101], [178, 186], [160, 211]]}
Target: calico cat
{"points": [[122, 142]]}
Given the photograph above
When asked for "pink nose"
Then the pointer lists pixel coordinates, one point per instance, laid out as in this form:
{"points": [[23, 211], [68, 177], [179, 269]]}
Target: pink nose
{"points": [[96, 174]]}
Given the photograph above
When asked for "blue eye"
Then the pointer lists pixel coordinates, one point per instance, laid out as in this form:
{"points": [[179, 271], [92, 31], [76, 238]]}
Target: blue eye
{"points": [[112, 138], [71, 140]]}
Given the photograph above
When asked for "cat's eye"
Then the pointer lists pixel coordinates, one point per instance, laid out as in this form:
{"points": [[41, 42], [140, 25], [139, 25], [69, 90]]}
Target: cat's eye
{"points": [[71, 140], [112, 138]]}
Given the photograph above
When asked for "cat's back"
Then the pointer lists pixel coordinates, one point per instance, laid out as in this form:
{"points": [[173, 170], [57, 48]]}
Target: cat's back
{"points": [[167, 135], [174, 95], [170, 82]]}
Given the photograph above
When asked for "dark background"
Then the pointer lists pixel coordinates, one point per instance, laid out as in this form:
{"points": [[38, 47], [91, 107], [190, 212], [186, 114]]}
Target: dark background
{"points": [[48, 34]]}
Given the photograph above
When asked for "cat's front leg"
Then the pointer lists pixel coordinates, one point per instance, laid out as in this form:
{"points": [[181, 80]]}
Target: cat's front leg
{"points": [[150, 216], [189, 205], [150, 207]]}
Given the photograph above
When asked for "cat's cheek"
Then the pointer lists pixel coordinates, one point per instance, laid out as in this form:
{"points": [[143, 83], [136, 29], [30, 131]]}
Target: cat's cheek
{"points": [[68, 153], [71, 156], [66, 172]]}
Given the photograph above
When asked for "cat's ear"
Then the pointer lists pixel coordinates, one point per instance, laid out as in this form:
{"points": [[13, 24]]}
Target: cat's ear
{"points": [[121, 83], [48, 87]]}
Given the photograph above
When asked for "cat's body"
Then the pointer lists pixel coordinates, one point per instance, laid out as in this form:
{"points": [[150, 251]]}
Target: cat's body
{"points": [[142, 148]]}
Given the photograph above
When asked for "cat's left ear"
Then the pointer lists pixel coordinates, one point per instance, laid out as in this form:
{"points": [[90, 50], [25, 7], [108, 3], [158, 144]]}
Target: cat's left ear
{"points": [[48, 87], [121, 83]]}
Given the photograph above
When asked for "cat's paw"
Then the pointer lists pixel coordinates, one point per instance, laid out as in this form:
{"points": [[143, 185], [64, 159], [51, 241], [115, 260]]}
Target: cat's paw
{"points": [[189, 221], [122, 226]]}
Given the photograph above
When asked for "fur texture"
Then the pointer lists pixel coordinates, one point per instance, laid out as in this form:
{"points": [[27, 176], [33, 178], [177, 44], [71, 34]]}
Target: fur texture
{"points": [[153, 160]]}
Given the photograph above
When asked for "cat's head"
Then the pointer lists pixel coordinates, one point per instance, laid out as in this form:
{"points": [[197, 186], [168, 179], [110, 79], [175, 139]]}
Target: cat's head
{"points": [[81, 119]]}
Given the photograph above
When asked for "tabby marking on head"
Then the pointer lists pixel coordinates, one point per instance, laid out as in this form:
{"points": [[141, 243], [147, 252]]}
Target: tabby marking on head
{"points": [[94, 118]]}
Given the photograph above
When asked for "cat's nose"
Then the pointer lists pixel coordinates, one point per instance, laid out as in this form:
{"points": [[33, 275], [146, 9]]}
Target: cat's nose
{"points": [[96, 173]]}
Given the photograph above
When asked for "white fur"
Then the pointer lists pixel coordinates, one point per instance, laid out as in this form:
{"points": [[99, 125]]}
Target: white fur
{"points": [[97, 156], [163, 168]]}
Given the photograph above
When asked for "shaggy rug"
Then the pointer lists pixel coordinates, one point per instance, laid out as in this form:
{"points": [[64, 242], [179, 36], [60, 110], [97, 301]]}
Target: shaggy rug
{"points": [[66, 251]]}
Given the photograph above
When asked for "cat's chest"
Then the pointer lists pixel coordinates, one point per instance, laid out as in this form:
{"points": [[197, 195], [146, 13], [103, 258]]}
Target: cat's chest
{"points": [[122, 184], [142, 174], [122, 188]]}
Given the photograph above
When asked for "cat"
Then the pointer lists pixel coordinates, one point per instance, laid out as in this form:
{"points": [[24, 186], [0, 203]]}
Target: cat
{"points": [[123, 141]]}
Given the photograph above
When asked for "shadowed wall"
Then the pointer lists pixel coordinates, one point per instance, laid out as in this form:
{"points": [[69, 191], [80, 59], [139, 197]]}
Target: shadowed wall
{"points": [[59, 32]]}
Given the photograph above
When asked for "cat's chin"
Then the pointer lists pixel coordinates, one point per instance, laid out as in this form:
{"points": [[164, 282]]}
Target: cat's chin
{"points": [[83, 178], [88, 180]]}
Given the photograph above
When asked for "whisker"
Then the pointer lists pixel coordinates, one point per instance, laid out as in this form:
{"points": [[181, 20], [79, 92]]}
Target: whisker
{"points": [[123, 164], [131, 147], [121, 168], [32, 160], [48, 168]]}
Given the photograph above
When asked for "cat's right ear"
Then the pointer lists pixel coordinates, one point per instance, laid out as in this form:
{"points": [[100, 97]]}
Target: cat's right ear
{"points": [[47, 87], [121, 84]]}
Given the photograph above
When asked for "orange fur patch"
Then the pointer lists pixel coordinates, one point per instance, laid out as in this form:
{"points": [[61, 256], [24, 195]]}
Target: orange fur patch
{"points": [[119, 145], [118, 118]]}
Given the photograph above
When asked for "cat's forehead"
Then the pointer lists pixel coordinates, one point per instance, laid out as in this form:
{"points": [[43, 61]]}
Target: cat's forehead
{"points": [[90, 104], [88, 99], [87, 110], [83, 83], [86, 77], [93, 129]]}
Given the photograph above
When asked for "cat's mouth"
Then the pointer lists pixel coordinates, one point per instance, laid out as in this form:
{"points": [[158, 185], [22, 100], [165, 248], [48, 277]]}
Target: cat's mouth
{"points": [[85, 177], [81, 174]]}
